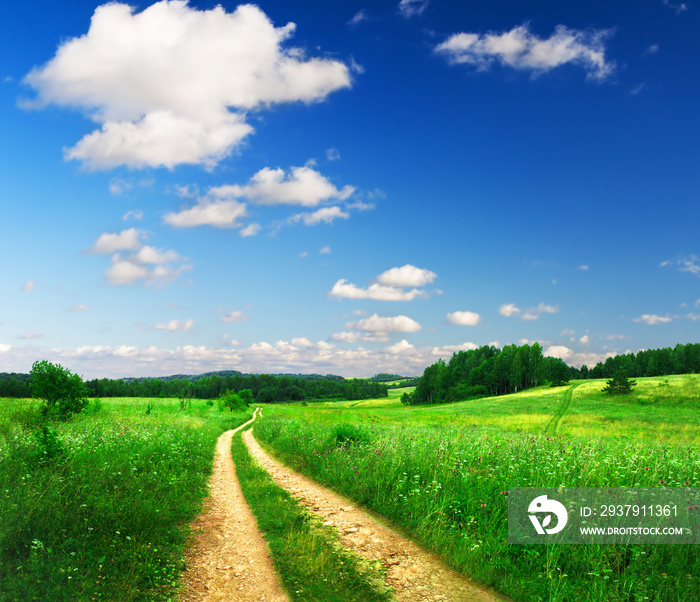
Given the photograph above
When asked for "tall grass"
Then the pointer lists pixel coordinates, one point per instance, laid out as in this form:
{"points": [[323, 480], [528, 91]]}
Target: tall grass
{"points": [[97, 508], [448, 487]]}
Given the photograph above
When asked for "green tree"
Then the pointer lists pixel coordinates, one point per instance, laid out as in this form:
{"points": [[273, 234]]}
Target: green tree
{"points": [[236, 401], [619, 384], [62, 392]]}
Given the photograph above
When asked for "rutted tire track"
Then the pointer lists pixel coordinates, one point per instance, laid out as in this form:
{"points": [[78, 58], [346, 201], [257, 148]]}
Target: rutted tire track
{"points": [[413, 573], [229, 560]]}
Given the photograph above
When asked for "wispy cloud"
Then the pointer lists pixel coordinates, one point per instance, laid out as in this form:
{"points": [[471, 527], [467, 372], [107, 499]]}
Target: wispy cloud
{"points": [[653, 319], [411, 8], [521, 49], [678, 8], [28, 286], [533, 313], [175, 325]]}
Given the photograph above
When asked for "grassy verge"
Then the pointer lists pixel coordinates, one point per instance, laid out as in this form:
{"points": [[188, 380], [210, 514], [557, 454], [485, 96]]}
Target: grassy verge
{"points": [[313, 566], [447, 486], [98, 508]]}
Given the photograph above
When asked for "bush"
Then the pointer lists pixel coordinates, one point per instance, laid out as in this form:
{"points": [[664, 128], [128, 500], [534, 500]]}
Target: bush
{"points": [[62, 392], [350, 434]]}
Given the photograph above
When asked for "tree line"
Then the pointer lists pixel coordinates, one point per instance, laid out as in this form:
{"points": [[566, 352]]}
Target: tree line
{"points": [[266, 388], [489, 371]]}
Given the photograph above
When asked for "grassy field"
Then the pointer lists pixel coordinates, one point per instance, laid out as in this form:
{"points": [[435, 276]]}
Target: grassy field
{"points": [[443, 472], [97, 508]]}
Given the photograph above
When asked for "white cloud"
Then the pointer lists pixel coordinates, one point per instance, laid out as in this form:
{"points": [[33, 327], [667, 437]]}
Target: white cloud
{"points": [[301, 186], [402, 346], [533, 313], [219, 214], [175, 325], [235, 315], [133, 214], [171, 84], [250, 230], [410, 8], [359, 17], [677, 8], [521, 49], [325, 250], [585, 339], [346, 290], [583, 267], [82, 308], [407, 275], [463, 318], [376, 323], [325, 214], [359, 337], [126, 240], [653, 319], [574, 358], [135, 268], [30, 335], [508, 310], [28, 286]]}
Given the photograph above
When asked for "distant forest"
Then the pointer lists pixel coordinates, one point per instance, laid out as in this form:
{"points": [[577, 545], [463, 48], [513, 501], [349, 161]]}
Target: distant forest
{"points": [[266, 388], [490, 371]]}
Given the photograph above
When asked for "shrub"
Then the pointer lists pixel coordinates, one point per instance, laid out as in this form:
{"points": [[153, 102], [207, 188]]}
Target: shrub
{"points": [[62, 392], [350, 434]]}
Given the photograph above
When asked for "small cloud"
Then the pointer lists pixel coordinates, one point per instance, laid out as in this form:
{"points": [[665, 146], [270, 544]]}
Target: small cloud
{"points": [[133, 214], [304, 254], [82, 308], [583, 267], [323, 215], [126, 240], [679, 8], [410, 8], [653, 319], [523, 50], [509, 309], [359, 17], [585, 339], [219, 214], [385, 324], [175, 325], [463, 318], [332, 154], [250, 230], [29, 336], [380, 292], [325, 250], [235, 315], [653, 49], [533, 313], [28, 286], [637, 89], [407, 275]]}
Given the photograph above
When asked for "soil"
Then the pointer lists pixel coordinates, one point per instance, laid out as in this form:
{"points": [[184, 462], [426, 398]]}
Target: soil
{"points": [[412, 572], [228, 560]]}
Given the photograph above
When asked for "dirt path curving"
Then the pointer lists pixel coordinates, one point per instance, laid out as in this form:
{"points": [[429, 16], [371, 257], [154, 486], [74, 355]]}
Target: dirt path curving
{"points": [[413, 573], [229, 560]]}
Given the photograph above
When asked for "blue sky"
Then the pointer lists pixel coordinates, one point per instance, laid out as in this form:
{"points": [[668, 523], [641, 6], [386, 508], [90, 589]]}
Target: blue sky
{"points": [[345, 187]]}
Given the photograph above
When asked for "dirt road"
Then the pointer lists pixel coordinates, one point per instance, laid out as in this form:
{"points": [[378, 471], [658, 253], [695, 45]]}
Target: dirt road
{"points": [[413, 573], [229, 561]]}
